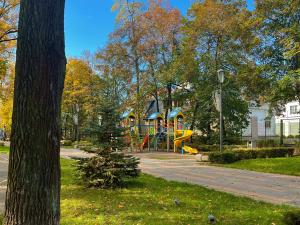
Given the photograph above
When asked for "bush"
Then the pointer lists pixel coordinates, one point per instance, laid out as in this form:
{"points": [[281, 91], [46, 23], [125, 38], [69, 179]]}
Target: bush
{"points": [[66, 143], [297, 148], [267, 143], [292, 218], [82, 143], [208, 148], [108, 169], [1, 144], [245, 154], [89, 149], [230, 156], [85, 146], [291, 136], [234, 147], [215, 148], [264, 153], [222, 157]]}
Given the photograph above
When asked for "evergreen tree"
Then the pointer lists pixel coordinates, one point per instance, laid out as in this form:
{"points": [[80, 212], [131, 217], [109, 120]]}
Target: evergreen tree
{"points": [[110, 167], [107, 131]]}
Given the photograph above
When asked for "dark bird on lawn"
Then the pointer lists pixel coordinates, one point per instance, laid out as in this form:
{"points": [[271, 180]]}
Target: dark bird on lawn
{"points": [[212, 219], [176, 201]]}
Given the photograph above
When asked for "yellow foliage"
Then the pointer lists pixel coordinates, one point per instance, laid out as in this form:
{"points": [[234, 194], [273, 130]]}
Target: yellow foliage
{"points": [[8, 25], [6, 113], [6, 99], [81, 84]]}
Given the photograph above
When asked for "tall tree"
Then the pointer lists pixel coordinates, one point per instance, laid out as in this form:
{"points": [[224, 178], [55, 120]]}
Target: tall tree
{"points": [[129, 34], [161, 37], [113, 64], [6, 98], [217, 35], [81, 93], [33, 189], [8, 25], [280, 48]]}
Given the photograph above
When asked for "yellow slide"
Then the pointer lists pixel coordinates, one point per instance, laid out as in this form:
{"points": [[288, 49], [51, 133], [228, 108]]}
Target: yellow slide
{"points": [[183, 135]]}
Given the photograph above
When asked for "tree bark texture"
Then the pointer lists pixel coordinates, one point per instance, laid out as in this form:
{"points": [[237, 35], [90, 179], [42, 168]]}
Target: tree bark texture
{"points": [[33, 189]]}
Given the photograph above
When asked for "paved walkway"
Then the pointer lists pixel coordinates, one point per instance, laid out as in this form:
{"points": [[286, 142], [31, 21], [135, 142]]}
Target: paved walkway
{"points": [[273, 188], [73, 153], [3, 175]]}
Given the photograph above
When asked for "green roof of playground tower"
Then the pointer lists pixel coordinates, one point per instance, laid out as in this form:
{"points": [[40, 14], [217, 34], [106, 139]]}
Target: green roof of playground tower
{"points": [[175, 112]]}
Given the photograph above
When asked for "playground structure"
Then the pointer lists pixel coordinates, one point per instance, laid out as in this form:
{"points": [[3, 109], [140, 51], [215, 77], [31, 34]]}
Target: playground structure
{"points": [[129, 121], [157, 133]]}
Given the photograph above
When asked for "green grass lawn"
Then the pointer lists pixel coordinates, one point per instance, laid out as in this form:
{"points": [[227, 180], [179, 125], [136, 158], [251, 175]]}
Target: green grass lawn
{"points": [[4, 149], [149, 200], [288, 166]]}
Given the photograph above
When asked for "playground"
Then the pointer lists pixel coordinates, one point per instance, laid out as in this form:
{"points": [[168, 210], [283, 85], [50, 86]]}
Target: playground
{"points": [[150, 112], [158, 133]]}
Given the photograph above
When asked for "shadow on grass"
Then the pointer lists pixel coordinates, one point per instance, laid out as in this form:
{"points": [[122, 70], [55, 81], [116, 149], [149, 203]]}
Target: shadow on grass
{"points": [[149, 200]]}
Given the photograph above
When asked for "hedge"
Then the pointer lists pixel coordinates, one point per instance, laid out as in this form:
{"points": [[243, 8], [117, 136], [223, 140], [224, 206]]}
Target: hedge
{"points": [[240, 154], [297, 148], [268, 143], [213, 148], [66, 143], [222, 157]]}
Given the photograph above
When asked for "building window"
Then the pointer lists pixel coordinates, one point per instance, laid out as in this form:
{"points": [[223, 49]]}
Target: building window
{"points": [[268, 124], [293, 109]]}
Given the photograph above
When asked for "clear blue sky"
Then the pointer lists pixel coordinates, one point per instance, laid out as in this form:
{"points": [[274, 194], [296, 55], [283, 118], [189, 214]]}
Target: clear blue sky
{"points": [[89, 22]]}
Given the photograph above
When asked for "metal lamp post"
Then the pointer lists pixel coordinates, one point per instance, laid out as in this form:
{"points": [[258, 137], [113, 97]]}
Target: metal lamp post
{"points": [[221, 77], [76, 121]]}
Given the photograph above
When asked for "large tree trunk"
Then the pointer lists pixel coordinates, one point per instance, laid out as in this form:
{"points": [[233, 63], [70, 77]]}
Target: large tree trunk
{"points": [[33, 189]]}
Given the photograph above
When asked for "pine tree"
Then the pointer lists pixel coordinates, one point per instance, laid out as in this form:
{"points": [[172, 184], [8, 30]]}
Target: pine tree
{"points": [[110, 167]]}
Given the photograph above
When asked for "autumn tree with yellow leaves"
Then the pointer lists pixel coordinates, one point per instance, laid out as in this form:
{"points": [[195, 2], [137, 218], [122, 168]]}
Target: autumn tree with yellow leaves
{"points": [[8, 25], [8, 36], [80, 98], [6, 99]]}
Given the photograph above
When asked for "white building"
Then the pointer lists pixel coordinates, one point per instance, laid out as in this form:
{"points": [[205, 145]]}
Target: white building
{"points": [[266, 126], [290, 118]]}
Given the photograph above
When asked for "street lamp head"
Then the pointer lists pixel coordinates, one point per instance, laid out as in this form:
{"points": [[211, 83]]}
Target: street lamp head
{"points": [[221, 76]]}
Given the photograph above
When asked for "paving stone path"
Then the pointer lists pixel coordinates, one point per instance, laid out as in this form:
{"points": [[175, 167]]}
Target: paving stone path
{"points": [[273, 188], [3, 175]]}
